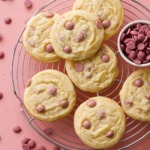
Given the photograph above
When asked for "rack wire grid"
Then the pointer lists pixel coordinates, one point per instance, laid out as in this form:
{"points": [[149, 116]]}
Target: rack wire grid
{"points": [[23, 68]]}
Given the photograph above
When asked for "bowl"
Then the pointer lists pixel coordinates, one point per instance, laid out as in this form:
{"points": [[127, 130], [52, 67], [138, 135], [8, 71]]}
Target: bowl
{"points": [[137, 55]]}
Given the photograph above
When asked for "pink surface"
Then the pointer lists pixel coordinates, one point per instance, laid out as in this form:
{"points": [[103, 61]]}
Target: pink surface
{"points": [[9, 106]]}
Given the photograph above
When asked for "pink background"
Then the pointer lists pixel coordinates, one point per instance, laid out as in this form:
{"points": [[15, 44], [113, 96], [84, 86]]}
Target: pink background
{"points": [[10, 113]]}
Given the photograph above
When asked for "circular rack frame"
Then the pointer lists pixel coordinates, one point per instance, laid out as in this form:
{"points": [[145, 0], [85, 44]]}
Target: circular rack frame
{"points": [[23, 68]]}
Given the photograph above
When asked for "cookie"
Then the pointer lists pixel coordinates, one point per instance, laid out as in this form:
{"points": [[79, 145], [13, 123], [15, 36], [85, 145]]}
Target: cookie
{"points": [[49, 95], [102, 123], [135, 95], [36, 37], [95, 74], [110, 12], [77, 35]]}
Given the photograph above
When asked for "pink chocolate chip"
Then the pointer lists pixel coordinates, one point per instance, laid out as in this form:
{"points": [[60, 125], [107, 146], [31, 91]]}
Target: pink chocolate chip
{"points": [[132, 55], [147, 97], [91, 103], [141, 55], [80, 37], [86, 124], [41, 148], [146, 39], [52, 90], [99, 24], [64, 104], [17, 129], [47, 131], [1, 54], [128, 31], [137, 61], [123, 37], [106, 24], [128, 102], [26, 147], [101, 114], [122, 47], [1, 95], [148, 57], [110, 134], [67, 49], [88, 75], [144, 28], [128, 51], [141, 37], [7, 20], [28, 4], [40, 108], [138, 82], [48, 14], [105, 58], [1, 36], [49, 48], [139, 26], [148, 34], [140, 46], [131, 45], [31, 43], [134, 32], [32, 144], [69, 25], [79, 67], [25, 140], [56, 148]]}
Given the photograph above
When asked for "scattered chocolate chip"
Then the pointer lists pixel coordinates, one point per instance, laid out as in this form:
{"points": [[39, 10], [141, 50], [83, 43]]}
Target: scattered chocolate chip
{"points": [[1, 95], [17, 129], [26, 147], [25, 140], [1, 36], [31, 143], [7, 20], [47, 131], [2, 54], [41, 148], [56, 148], [28, 4]]}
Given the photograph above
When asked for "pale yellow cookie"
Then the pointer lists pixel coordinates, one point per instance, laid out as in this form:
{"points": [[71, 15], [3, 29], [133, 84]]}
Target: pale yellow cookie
{"points": [[95, 74], [135, 95], [49, 95], [36, 37], [110, 12], [77, 35], [99, 122]]}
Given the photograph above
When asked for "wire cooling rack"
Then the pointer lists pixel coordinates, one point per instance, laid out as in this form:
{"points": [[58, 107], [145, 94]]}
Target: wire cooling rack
{"points": [[23, 68]]}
